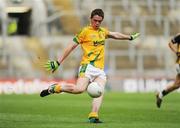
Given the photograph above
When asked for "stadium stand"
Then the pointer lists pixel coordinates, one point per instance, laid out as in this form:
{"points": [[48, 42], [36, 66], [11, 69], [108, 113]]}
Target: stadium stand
{"points": [[67, 26], [148, 56]]}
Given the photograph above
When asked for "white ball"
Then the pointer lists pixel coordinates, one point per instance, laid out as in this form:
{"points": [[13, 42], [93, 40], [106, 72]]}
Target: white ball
{"points": [[94, 90]]}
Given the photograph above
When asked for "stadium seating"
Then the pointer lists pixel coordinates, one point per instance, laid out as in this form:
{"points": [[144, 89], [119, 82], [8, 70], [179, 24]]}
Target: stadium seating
{"points": [[156, 20], [67, 7]]}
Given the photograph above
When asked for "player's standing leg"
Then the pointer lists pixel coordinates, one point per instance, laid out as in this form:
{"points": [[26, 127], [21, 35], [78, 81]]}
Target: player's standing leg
{"points": [[96, 103]]}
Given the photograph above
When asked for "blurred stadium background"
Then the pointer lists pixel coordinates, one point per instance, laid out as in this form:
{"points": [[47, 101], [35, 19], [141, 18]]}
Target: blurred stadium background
{"points": [[33, 31]]}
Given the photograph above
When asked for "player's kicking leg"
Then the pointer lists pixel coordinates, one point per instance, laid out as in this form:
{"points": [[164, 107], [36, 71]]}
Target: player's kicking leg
{"points": [[55, 88], [80, 87]]}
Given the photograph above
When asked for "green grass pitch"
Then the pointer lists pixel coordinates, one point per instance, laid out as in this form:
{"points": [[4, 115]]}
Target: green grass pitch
{"points": [[119, 110]]}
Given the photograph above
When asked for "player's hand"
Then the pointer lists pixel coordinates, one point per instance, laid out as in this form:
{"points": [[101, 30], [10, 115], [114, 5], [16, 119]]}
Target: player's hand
{"points": [[134, 36], [52, 65]]}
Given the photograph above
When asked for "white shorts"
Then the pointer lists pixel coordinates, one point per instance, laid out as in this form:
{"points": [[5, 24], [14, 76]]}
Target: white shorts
{"points": [[91, 72], [178, 68]]}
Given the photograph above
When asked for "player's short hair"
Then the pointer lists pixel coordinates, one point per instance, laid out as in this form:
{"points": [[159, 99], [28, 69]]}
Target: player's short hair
{"points": [[98, 12]]}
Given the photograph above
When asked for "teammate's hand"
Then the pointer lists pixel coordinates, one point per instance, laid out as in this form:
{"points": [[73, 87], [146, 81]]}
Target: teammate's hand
{"points": [[52, 65], [134, 36], [178, 54]]}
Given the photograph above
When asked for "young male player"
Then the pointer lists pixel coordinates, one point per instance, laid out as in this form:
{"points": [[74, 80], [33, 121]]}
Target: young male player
{"points": [[92, 41], [174, 45]]}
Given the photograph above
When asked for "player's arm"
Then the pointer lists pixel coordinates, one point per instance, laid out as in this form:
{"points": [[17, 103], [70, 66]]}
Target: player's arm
{"points": [[71, 46], [53, 65], [120, 36]]}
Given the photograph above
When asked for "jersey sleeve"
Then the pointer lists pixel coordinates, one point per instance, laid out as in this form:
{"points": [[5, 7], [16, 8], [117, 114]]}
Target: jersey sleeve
{"points": [[106, 33], [176, 39], [79, 38]]}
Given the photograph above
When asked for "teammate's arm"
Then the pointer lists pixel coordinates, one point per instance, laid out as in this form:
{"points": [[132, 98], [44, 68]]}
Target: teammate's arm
{"points": [[173, 43], [120, 36], [173, 47]]}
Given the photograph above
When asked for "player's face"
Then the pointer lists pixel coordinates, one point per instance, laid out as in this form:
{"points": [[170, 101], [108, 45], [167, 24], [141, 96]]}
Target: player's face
{"points": [[96, 21]]}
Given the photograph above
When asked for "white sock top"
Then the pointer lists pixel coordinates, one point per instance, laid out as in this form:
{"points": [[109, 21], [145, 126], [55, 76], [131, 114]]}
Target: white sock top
{"points": [[160, 95]]}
